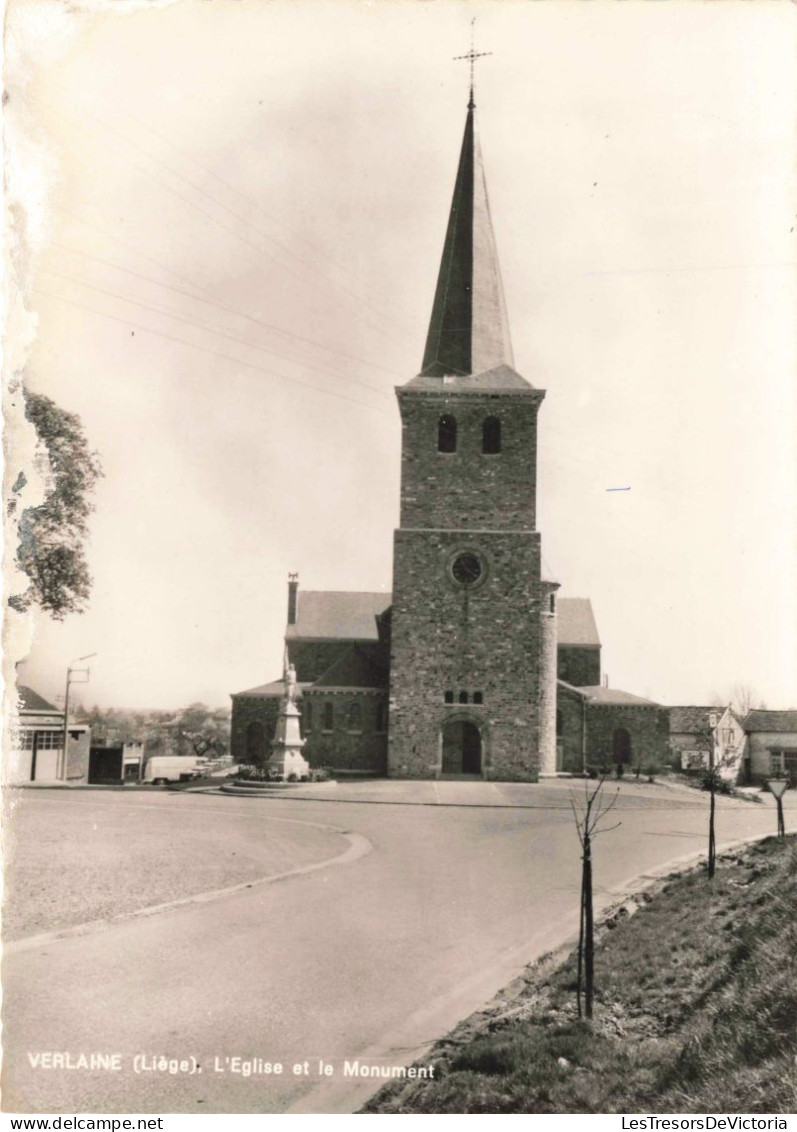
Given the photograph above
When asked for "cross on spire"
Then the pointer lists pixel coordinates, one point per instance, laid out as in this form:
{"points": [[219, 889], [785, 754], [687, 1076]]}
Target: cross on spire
{"points": [[472, 56]]}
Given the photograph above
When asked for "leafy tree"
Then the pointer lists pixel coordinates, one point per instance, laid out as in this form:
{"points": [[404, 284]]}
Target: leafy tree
{"points": [[202, 731], [52, 536]]}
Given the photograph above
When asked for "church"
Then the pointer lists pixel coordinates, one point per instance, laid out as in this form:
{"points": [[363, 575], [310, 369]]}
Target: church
{"points": [[473, 665]]}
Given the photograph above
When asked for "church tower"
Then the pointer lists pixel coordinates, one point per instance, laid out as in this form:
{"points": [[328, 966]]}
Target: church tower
{"points": [[473, 653]]}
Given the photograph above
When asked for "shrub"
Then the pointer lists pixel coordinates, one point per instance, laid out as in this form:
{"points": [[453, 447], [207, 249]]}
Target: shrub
{"points": [[721, 785]]}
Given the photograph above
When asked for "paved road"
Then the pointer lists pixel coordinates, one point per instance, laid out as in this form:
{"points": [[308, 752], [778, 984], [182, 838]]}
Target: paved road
{"points": [[369, 960]]}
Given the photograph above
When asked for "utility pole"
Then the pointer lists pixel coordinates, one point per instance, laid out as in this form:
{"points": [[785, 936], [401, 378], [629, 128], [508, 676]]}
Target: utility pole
{"points": [[70, 673]]}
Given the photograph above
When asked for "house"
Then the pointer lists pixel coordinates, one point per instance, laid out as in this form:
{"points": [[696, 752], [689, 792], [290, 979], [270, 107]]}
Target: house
{"points": [[771, 744], [697, 732], [37, 745]]}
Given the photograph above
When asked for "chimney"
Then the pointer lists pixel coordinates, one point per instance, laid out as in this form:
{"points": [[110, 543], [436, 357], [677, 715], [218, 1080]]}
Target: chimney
{"points": [[293, 597]]}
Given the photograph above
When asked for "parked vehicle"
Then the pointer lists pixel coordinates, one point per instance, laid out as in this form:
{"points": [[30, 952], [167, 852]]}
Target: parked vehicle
{"points": [[171, 768]]}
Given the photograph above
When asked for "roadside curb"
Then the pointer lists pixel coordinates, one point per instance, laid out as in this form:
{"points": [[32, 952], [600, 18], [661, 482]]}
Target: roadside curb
{"points": [[359, 846]]}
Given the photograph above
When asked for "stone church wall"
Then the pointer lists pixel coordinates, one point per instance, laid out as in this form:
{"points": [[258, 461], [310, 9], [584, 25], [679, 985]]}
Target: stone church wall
{"points": [[311, 659], [648, 726], [340, 747], [485, 639], [467, 488], [569, 717], [246, 710], [579, 665]]}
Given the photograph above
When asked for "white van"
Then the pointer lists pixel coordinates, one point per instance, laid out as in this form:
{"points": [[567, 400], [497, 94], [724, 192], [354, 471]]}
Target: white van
{"points": [[171, 768]]}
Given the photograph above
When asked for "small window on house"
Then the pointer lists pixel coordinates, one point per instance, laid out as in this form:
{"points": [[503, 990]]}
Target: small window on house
{"points": [[463, 697], [478, 698], [355, 717], [50, 740], [491, 436], [447, 434], [329, 716], [449, 697], [776, 762], [381, 716]]}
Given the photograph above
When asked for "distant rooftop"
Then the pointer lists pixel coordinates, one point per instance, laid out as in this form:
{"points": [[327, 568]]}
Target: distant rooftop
{"points": [[32, 701], [689, 719], [760, 719]]}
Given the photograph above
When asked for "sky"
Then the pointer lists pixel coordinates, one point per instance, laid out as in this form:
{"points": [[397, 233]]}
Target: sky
{"points": [[233, 215]]}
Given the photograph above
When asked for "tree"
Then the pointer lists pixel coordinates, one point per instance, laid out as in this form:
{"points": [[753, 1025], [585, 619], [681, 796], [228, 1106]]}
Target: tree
{"points": [[202, 731], [743, 699], [52, 535], [588, 819], [707, 740]]}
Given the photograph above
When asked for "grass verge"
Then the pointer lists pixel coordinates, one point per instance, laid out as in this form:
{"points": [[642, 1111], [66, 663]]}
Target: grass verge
{"points": [[695, 1011]]}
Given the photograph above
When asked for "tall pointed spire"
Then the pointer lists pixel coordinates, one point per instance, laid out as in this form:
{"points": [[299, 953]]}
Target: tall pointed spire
{"points": [[468, 331]]}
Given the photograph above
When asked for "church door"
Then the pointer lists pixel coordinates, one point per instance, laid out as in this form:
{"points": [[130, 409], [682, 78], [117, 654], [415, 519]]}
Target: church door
{"points": [[462, 748]]}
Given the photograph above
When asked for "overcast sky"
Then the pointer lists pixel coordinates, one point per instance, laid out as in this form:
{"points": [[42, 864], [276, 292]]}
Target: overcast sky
{"points": [[245, 209]]}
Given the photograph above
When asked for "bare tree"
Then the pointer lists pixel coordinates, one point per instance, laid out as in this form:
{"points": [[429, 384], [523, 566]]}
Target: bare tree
{"points": [[588, 817], [744, 698]]}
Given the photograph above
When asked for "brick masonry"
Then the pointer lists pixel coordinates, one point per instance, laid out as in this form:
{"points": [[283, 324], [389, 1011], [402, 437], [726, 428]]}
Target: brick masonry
{"points": [[248, 711], [485, 637], [467, 489], [647, 724], [579, 665], [341, 747]]}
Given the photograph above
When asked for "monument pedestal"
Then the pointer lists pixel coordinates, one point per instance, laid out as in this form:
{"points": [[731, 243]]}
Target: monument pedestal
{"points": [[286, 747]]}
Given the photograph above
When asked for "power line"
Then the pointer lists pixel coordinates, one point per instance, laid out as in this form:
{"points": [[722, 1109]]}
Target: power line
{"points": [[203, 326], [220, 204], [229, 309], [211, 353], [233, 188]]}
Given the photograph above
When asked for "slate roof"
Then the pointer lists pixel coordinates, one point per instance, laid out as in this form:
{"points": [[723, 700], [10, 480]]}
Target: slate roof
{"points": [[275, 688], [338, 615], [468, 329], [32, 701], [351, 616], [688, 720], [597, 694], [499, 379], [353, 670], [576, 622], [762, 720]]}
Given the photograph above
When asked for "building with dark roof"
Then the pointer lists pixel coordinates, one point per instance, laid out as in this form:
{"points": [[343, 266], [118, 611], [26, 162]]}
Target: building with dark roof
{"points": [[455, 671], [771, 744], [37, 743], [705, 736]]}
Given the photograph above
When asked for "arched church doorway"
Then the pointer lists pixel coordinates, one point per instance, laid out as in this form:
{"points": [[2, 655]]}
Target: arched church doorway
{"points": [[621, 745], [462, 747]]}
